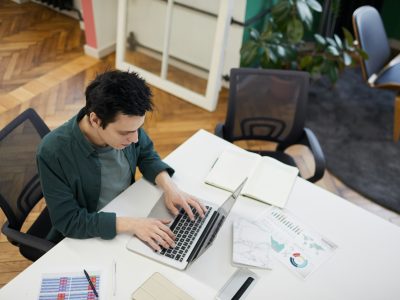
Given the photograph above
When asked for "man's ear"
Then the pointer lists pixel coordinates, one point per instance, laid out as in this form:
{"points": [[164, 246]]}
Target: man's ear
{"points": [[94, 120]]}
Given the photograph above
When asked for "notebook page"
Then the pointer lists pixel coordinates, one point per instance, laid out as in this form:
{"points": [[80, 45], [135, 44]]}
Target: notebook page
{"points": [[271, 182], [231, 168]]}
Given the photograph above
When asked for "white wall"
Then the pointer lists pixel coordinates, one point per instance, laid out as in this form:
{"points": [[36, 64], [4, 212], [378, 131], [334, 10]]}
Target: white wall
{"points": [[105, 19]]}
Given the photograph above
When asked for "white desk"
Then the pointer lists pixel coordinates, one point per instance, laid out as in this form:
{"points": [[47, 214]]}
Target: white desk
{"points": [[366, 264]]}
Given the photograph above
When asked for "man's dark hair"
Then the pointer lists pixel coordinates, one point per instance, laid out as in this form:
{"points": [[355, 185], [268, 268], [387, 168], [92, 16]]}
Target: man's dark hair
{"points": [[115, 92]]}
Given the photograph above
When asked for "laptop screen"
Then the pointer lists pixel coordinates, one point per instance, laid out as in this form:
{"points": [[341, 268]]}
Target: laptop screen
{"points": [[215, 223], [226, 207]]}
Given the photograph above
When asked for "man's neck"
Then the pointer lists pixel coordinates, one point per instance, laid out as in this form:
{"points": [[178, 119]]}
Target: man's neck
{"points": [[90, 132]]}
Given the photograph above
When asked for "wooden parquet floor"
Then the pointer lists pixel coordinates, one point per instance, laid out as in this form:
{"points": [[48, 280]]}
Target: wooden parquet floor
{"points": [[57, 95], [33, 41]]}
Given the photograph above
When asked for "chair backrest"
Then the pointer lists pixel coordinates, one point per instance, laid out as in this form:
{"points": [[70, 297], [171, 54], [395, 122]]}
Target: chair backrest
{"points": [[20, 188], [371, 36], [266, 105]]}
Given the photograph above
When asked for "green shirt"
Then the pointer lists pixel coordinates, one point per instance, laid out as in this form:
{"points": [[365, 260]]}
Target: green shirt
{"points": [[70, 175]]}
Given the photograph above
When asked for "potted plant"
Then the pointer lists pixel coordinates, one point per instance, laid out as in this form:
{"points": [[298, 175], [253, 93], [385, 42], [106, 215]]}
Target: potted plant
{"points": [[281, 42]]}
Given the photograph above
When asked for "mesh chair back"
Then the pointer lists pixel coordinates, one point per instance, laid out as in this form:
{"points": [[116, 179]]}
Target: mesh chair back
{"points": [[20, 188], [266, 104], [371, 35]]}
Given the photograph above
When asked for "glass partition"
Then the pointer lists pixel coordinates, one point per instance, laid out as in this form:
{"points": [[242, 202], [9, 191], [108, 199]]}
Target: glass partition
{"points": [[177, 46]]}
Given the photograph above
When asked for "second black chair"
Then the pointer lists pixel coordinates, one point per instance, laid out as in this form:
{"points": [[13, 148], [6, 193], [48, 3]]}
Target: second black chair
{"points": [[271, 105], [20, 188]]}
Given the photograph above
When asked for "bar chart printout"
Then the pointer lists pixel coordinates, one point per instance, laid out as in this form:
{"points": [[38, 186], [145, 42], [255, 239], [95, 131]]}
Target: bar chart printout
{"points": [[68, 286], [298, 247]]}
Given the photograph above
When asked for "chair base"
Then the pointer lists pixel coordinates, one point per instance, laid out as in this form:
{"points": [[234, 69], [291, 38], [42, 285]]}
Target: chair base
{"points": [[396, 120]]}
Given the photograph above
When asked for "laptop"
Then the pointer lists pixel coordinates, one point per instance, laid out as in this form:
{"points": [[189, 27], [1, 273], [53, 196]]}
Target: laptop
{"points": [[192, 237]]}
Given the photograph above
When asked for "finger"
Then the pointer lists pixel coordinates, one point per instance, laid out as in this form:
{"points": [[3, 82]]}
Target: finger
{"points": [[188, 210], [159, 240], [168, 231], [153, 245], [172, 208], [166, 239], [165, 221], [203, 207], [197, 207]]}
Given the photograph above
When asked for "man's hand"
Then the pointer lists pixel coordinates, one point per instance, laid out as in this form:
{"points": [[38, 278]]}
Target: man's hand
{"points": [[178, 199], [154, 232], [175, 198]]}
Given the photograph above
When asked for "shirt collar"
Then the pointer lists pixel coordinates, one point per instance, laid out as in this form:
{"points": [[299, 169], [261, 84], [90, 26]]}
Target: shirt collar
{"points": [[83, 142]]}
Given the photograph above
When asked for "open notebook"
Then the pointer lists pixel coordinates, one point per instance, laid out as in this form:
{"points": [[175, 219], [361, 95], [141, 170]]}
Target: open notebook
{"points": [[269, 180]]}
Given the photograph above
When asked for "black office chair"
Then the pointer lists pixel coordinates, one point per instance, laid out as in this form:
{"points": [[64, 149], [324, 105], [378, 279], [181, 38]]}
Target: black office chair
{"points": [[379, 70], [20, 188], [270, 105]]}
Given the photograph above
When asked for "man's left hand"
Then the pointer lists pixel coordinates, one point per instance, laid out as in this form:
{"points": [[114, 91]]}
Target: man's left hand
{"points": [[179, 199], [176, 198]]}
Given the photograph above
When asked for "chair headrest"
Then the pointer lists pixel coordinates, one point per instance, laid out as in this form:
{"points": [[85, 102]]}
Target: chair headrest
{"points": [[371, 35]]}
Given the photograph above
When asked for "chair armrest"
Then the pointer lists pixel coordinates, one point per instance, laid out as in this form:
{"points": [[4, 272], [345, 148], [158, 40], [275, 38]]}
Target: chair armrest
{"points": [[309, 140], [26, 239], [219, 130]]}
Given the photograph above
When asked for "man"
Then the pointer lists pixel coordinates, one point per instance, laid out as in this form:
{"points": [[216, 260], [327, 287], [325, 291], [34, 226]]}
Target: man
{"points": [[92, 158]]}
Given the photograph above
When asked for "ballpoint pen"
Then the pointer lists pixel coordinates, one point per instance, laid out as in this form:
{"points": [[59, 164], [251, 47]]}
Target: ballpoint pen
{"points": [[114, 278], [91, 283]]}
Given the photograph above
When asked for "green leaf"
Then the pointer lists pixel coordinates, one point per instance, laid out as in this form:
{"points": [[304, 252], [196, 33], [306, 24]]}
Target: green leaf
{"points": [[363, 54], [264, 61], [281, 11], [306, 61], [338, 41], [348, 36], [318, 60], [333, 73], [314, 5], [280, 7], [266, 34], [320, 39], [331, 41], [272, 55], [347, 59], [295, 31], [304, 13], [316, 71], [249, 53], [332, 50]]}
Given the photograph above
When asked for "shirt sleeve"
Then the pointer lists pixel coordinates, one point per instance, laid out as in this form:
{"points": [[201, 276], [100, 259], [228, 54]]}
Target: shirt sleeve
{"points": [[68, 216], [149, 162]]}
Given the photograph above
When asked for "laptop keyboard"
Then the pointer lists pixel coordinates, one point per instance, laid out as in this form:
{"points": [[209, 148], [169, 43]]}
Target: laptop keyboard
{"points": [[185, 232]]}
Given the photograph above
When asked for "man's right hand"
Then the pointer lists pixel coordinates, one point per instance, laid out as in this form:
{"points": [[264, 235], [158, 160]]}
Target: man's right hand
{"points": [[154, 232]]}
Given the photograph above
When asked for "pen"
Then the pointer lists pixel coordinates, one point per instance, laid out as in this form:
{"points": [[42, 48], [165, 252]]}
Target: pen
{"points": [[115, 278], [91, 283]]}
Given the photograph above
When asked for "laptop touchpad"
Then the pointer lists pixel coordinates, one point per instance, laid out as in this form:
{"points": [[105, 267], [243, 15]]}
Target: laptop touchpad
{"points": [[160, 211]]}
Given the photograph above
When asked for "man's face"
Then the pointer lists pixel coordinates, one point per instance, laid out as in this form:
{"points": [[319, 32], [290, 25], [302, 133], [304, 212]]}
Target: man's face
{"points": [[122, 132]]}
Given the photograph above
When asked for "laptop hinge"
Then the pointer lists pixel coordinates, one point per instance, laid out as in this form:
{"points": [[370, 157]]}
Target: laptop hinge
{"points": [[203, 237]]}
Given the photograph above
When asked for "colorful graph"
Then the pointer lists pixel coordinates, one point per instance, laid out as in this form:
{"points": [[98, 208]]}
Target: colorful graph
{"points": [[278, 247], [298, 260], [297, 246], [285, 222], [68, 287]]}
